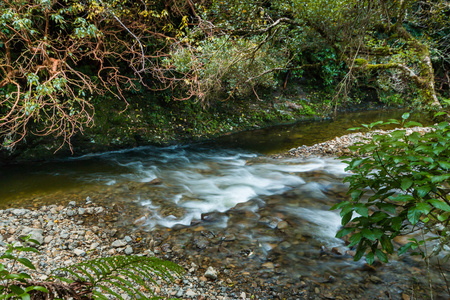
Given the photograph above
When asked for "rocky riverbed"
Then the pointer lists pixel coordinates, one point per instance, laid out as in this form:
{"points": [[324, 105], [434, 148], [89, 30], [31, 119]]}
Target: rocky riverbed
{"points": [[65, 239]]}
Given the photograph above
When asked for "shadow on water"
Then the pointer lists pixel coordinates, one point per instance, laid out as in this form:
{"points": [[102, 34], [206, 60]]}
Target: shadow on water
{"points": [[282, 138]]}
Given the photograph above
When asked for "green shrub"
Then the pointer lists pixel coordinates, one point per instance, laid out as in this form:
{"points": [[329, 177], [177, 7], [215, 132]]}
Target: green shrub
{"points": [[226, 66], [400, 184]]}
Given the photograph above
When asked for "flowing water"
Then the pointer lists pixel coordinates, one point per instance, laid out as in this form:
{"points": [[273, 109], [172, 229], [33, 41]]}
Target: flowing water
{"points": [[224, 200]]}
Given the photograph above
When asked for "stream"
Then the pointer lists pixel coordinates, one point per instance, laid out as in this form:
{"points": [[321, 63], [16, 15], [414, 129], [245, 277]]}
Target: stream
{"points": [[227, 204]]}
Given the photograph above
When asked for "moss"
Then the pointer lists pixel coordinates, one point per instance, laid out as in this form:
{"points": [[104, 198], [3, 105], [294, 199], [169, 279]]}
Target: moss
{"points": [[360, 62]]}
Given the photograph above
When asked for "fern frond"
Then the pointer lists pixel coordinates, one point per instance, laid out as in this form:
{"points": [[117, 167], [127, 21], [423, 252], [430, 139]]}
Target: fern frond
{"points": [[117, 275]]}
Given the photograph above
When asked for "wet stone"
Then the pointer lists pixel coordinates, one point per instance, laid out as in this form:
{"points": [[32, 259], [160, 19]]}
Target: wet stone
{"points": [[283, 225]]}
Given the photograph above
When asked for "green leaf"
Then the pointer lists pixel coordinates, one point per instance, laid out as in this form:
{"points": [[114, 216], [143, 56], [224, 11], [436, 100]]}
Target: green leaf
{"points": [[356, 194], [439, 204], [126, 273], [414, 215], [396, 223], [402, 198], [362, 210], [16, 290], [381, 256], [7, 256], [422, 191], [444, 165], [406, 183], [405, 116], [423, 207], [406, 247], [412, 123], [344, 231], [440, 178], [33, 241], [441, 113], [36, 288], [25, 296], [370, 258], [26, 262], [387, 207], [339, 205], [398, 134], [375, 124], [354, 239], [368, 234], [24, 276], [443, 125], [346, 218], [360, 251], [30, 249], [443, 217], [387, 244]]}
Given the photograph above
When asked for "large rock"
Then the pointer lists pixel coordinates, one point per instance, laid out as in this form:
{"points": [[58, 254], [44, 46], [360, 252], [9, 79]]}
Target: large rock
{"points": [[20, 211], [34, 233]]}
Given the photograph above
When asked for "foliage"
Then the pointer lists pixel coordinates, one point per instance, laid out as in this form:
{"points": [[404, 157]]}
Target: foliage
{"points": [[56, 55], [126, 274], [94, 279], [57, 58], [11, 284], [388, 37], [401, 184], [224, 64]]}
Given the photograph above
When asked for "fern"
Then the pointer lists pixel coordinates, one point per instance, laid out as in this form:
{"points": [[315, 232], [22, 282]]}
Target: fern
{"points": [[117, 275]]}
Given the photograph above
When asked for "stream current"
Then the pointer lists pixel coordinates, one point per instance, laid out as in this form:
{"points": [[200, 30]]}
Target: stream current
{"points": [[267, 217]]}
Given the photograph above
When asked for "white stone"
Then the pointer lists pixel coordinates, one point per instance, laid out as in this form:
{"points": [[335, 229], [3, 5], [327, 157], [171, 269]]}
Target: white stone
{"points": [[190, 293], [211, 273], [20, 211], [118, 243], [79, 252], [94, 246], [48, 239], [128, 250]]}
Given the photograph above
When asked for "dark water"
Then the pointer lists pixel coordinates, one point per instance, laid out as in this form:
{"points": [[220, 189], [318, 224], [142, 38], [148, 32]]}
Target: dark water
{"points": [[282, 138], [245, 195]]}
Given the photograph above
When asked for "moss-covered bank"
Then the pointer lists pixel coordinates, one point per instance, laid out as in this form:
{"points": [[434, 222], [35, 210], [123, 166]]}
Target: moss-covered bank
{"points": [[156, 119]]}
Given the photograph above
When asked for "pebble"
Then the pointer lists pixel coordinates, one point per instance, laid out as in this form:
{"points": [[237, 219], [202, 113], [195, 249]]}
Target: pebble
{"points": [[79, 252], [119, 243], [128, 250], [190, 293], [211, 273], [283, 225]]}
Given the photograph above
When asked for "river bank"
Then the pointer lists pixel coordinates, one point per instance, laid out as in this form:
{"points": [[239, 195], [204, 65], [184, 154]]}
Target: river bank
{"points": [[339, 146]]}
